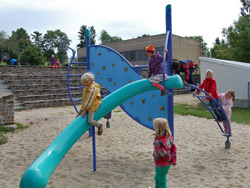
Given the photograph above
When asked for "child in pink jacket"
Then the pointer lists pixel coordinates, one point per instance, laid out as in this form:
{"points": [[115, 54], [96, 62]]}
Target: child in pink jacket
{"points": [[226, 101]]}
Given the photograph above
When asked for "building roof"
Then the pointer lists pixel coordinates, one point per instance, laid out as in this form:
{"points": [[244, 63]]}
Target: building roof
{"points": [[236, 64]]}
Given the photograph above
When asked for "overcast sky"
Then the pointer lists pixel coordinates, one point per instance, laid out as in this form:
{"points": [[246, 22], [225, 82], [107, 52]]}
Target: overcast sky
{"points": [[126, 19]]}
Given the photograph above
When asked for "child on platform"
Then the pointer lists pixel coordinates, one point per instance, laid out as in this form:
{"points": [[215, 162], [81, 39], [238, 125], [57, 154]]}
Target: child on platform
{"points": [[155, 68], [91, 100], [187, 66], [209, 85], [226, 101], [165, 151]]}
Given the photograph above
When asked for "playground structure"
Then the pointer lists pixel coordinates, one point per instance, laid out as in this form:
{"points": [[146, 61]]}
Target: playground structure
{"points": [[136, 96]]}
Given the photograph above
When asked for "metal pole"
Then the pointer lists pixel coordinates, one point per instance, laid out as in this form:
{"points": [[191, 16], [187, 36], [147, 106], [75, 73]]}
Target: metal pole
{"points": [[169, 70], [248, 95], [92, 129]]}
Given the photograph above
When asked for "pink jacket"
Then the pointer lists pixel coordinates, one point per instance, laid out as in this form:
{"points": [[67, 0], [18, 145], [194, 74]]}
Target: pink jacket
{"points": [[164, 151], [226, 104]]}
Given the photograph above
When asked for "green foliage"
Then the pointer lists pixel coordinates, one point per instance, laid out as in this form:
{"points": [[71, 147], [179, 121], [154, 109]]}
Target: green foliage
{"points": [[144, 35], [205, 51], [38, 40], [106, 38], [20, 39], [236, 45], [32, 55], [53, 39], [62, 56], [82, 36]]}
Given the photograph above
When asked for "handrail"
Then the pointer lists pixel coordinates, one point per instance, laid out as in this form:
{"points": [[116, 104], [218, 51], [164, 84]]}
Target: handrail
{"points": [[68, 75], [164, 59], [226, 119]]}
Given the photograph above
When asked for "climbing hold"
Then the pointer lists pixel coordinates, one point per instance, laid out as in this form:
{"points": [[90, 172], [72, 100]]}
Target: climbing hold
{"points": [[99, 53], [161, 107], [143, 100], [129, 81], [126, 69], [103, 67], [132, 102], [113, 65], [92, 63], [114, 83], [97, 72], [149, 118], [153, 95]]}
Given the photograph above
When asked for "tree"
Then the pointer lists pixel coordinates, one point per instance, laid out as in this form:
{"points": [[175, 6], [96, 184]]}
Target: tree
{"points": [[245, 10], [32, 55], [144, 35], [205, 51], [106, 38], [236, 42], [18, 41], [38, 39], [53, 40], [82, 36]]}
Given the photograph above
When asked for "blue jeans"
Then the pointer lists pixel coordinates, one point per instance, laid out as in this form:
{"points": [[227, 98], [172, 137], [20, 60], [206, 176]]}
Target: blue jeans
{"points": [[160, 176], [219, 114]]}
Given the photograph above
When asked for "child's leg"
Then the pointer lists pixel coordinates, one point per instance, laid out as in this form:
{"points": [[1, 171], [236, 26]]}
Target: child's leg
{"points": [[158, 86], [225, 127], [160, 176], [91, 121]]}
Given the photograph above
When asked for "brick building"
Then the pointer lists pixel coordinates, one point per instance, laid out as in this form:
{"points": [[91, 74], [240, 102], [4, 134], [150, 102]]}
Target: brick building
{"points": [[134, 49]]}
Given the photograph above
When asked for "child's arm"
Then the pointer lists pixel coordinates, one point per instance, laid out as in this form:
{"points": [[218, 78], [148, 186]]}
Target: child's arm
{"points": [[201, 87], [174, 154], [167, 55]]}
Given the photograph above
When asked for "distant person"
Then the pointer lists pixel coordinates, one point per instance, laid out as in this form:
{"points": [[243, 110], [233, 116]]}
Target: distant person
{"points": [[52, 60], [210, 86], [57, 63], [165, 151], [186, 66], [226, 101], [14, 62], [155, 73], [91, 100]]}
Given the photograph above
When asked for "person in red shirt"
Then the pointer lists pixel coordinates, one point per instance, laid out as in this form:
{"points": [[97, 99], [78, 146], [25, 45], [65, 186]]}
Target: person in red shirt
{"points": [[209, 85], [165, 151]]}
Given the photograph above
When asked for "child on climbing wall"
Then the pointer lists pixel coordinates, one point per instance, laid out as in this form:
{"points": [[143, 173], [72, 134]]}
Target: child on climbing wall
{"points": [[91, 100], [165, 151], [226, 101], [209, 85], [155, 67]]}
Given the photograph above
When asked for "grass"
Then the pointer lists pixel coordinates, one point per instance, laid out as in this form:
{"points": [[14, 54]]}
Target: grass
{"points": [[239, 115], [3, 139]]}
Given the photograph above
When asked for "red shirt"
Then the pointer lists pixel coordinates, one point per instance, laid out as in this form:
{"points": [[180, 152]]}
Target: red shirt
{"points": [[164, 151], [209, 86]]}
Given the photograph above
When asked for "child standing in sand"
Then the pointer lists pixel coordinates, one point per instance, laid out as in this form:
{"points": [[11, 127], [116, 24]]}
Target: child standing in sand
{"points": [[91, 100], [165, 151], [209, 85], [226, 101], [155, 67]]}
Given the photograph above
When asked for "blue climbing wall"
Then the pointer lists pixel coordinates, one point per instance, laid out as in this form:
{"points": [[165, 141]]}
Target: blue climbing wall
{"points": [[113, 71]]}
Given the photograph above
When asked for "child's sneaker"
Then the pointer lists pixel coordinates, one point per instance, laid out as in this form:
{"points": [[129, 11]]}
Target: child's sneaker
{"points": [[100, 129], [167, 93], [225, 134]]}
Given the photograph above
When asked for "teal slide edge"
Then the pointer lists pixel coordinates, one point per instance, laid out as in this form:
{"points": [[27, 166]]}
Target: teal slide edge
{"points": [[38, 174]]}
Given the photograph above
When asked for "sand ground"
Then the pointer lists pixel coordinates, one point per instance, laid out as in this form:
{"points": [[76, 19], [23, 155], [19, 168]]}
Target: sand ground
{"points": [[124, 152]]}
